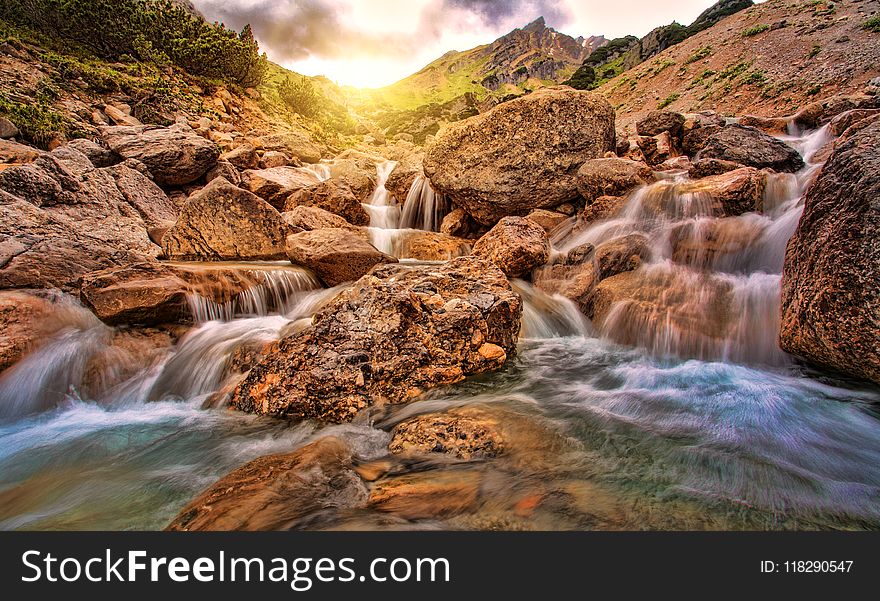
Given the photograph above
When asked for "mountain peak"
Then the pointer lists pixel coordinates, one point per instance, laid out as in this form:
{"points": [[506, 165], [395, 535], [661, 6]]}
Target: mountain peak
{"points": [[537, 25]]}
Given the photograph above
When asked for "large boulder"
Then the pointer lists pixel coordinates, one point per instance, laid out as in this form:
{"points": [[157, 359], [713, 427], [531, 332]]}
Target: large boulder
{"points": [[359, 176], [335, 255], [333, 197], [76, 219], [276, 184], [521, 155], [175, 155], [224, 223], [752, 147], [516, 245], [611, 177], [830, 292], [143, 294], [243, 157], [394, 334], [314, 218], [277, 492]]}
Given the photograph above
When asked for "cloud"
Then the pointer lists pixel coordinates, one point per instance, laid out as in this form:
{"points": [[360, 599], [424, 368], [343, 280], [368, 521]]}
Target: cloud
{"points": [[292, 31]]}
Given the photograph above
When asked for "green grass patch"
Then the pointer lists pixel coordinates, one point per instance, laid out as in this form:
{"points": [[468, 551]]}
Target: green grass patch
{"points": [[873, 24], [668, 100], [699, 55], [755, 78], [753, 31], [37, 121]]}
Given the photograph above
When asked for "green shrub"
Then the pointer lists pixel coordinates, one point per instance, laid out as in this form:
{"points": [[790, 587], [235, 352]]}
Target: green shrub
{"points": [[668, 100], [812, 91], [753, 31], [300, 96], [37, 121], [755, 78], [583, 78], [159, 31], [873, 24]]}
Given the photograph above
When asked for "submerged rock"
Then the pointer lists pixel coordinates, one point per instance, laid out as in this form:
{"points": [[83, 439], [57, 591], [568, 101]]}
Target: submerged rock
{"points": [[222, 222], [464, 434], [516, 245], [394, 334], [830, 292], [335, 255], [521, 155], [277, 491], [175, 155], [751, 147]]}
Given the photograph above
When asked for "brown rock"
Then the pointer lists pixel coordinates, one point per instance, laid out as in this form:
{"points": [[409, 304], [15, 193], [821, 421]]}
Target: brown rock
{"points": [[458, 223], [427, 495], [707, 167], [516, 245], [657, 149], [98, 155], [830, 296], [276, 184], [225, 170], [120, 117], [602, 208], [844, 121], [430, 246], [752, 147], [7, 129], [658, 122], [175, 155], [695, 139], [464, 434], [222, 222], [548, 220], [243, 157], [771, 125], [522, 154], [14, 153], [611, 177], [730, 194], [358, 176], [332, 197], [710, 243], [392, 335], [276, 492], [139, 294], [273, 158], [335, 255], [22, 325], [314, 218], [404, 174], [291, 143]]}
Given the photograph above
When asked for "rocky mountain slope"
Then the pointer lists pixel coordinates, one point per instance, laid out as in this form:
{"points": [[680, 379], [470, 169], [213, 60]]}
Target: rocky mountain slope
{"points": [[522, 59], [767, 60]]}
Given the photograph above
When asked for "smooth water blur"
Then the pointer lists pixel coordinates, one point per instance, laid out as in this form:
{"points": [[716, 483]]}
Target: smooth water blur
{"points": [[698, 422]]}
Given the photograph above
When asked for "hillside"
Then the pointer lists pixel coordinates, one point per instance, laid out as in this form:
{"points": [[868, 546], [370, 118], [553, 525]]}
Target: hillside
{"points": [[522, 59], [767, 60]]}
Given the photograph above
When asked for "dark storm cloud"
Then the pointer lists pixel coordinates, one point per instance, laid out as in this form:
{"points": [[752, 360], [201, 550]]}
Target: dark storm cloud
{"points": [[292, 30]]}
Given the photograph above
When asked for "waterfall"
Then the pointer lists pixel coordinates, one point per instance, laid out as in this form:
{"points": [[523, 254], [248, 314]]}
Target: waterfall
{"points": [[547, 316], [710, 289], [321, 170], [424, 209], [276, 291]]}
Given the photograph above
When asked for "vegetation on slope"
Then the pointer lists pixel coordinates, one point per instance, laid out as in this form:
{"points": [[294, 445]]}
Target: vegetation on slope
{"points": [[156, 31]]}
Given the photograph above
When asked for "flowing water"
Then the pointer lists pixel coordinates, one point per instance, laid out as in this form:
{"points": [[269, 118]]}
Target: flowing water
{"points": [[651, 420]]}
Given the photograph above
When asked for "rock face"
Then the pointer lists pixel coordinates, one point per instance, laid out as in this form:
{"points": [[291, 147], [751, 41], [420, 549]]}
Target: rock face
{"points": [[277, 491], [335, 255], [751, 147], [516, 245], [276, 184], [830, 293], [392, 335], [611, 177], [332, 197], [142, 294], [61, 218], [222, 222], [175, 155], [22, 317], [521, 155]]}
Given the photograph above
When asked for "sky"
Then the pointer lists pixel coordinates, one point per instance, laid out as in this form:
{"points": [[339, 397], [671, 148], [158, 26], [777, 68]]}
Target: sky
{"points": [[373, 43]]}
